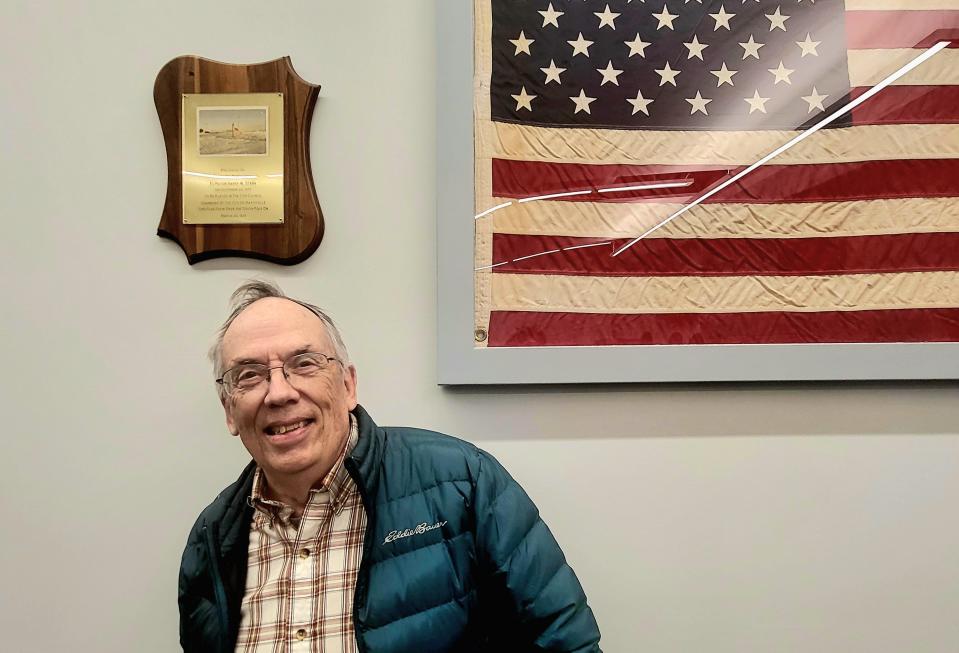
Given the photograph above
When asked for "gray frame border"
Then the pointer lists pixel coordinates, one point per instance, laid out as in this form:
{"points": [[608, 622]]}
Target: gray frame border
{"points": [[460, 363]]}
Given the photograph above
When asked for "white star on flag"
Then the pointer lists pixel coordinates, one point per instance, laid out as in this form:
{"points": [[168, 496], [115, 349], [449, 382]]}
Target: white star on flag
{"points": [[580, 45], [722, 18], [665, 18], [782, 73], [551, 16], [695, 48], [522, 43], [638, 46], [777, 20], [582, 102], [553, 73], [815, 100], [606, 17], [609, 74], [724, 75], [523, 100], [756, 103], [699, 104], [751, 48], [667, 75], [808, 46], [640, 103]]}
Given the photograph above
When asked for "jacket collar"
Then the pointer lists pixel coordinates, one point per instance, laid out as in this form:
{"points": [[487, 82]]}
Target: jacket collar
{"points": [[232, 511], [368, 452]]}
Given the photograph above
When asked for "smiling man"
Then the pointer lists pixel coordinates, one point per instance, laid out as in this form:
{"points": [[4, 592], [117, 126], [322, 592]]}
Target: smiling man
{"points": [[341, 535]]}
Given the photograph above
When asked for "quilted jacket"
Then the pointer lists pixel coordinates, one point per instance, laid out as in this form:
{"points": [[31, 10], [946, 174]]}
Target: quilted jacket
{"points": [[489, 576]]}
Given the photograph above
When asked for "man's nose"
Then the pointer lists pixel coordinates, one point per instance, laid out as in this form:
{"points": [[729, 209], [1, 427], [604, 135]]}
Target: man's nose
{"points": [[279, 388]]}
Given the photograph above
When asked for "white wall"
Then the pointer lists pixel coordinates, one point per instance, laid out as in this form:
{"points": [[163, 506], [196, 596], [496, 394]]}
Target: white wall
{"points": [[719, 518]]}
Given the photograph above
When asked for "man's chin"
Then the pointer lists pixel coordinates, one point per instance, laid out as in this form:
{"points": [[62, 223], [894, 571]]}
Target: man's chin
{"points": [[287, 470]]}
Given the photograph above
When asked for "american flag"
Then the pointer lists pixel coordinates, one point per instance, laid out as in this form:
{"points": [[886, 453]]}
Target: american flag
{"points": [[850, 236]]}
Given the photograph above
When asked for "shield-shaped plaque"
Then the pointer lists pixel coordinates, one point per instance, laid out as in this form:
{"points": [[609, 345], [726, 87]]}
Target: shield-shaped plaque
{"points": [[238, 160]]}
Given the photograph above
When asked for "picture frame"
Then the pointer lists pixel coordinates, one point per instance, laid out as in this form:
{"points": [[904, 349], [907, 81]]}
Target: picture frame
{"points": [[461, 362]]}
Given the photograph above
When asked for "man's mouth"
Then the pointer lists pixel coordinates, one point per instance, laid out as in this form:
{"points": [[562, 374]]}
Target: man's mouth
{"points": [[280, 429]]}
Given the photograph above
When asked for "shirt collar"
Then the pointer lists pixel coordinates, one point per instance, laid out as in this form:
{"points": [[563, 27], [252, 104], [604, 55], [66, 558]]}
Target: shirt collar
{"points": [[337, 481]]}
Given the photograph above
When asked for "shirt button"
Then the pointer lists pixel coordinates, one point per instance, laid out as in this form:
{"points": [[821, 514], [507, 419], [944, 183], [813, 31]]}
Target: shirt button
{"points": [[304, 553], [301, 634]]}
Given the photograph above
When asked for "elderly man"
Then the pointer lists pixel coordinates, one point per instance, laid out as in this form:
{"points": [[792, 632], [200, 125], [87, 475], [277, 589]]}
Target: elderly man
{"points": [[341, 535]]}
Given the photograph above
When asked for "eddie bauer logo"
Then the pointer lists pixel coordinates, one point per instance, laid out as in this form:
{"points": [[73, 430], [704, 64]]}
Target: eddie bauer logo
{"points": [[419, 529]]}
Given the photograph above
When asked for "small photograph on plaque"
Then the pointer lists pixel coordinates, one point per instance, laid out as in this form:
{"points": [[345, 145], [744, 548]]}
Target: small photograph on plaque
{"points": [[232, 131]]}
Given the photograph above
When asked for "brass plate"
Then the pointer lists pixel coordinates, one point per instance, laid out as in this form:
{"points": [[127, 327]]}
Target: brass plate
{"points": [[232, 158]]}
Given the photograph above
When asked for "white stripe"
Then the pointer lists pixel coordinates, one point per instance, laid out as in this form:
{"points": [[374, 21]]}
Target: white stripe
{"points": [[894, 5], [867, 67], [710, 148], [724, 294]]}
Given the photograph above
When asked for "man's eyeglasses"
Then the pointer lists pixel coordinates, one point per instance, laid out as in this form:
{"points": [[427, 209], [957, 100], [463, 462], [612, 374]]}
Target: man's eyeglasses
{"points": [[248, 376]]}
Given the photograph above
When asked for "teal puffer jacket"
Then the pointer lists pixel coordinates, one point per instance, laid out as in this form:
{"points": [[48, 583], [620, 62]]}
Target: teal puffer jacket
{"points": [[488, 577]]}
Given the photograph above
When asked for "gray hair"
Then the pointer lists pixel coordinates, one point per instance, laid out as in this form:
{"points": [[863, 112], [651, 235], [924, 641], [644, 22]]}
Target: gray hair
{"points": [[253, 291]]}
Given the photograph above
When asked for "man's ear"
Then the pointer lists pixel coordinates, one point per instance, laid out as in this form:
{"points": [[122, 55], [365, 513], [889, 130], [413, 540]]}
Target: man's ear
{"points": [[349, 380], [228, 410]]}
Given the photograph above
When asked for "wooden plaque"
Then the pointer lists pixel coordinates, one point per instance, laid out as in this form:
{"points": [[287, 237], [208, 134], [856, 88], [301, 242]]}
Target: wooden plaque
{"points": [[238, 160]]}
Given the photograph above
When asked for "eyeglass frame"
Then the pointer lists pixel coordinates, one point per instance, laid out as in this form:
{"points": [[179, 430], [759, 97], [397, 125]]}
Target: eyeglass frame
{"points": [[268, 377]]}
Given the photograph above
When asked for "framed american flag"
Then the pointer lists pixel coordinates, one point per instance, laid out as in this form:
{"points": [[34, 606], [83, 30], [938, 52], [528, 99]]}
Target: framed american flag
{"points": [[676, 190]]}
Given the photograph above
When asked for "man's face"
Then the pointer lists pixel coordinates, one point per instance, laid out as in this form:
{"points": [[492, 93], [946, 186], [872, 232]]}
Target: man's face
{"points": [[269, 331]]}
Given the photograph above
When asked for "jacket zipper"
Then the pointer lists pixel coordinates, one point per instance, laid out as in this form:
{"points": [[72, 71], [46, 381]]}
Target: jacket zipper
{"points": [[363, 575], [218, 589]]}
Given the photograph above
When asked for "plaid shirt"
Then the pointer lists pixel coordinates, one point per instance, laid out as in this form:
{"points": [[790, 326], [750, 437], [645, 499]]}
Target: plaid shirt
{"points": [[302, 572]]}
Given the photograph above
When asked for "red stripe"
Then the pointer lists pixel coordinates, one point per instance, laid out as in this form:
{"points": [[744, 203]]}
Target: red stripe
{"points": [[896, 105], [769, 184], [916, 252], [527, 329], [867, 30]]}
